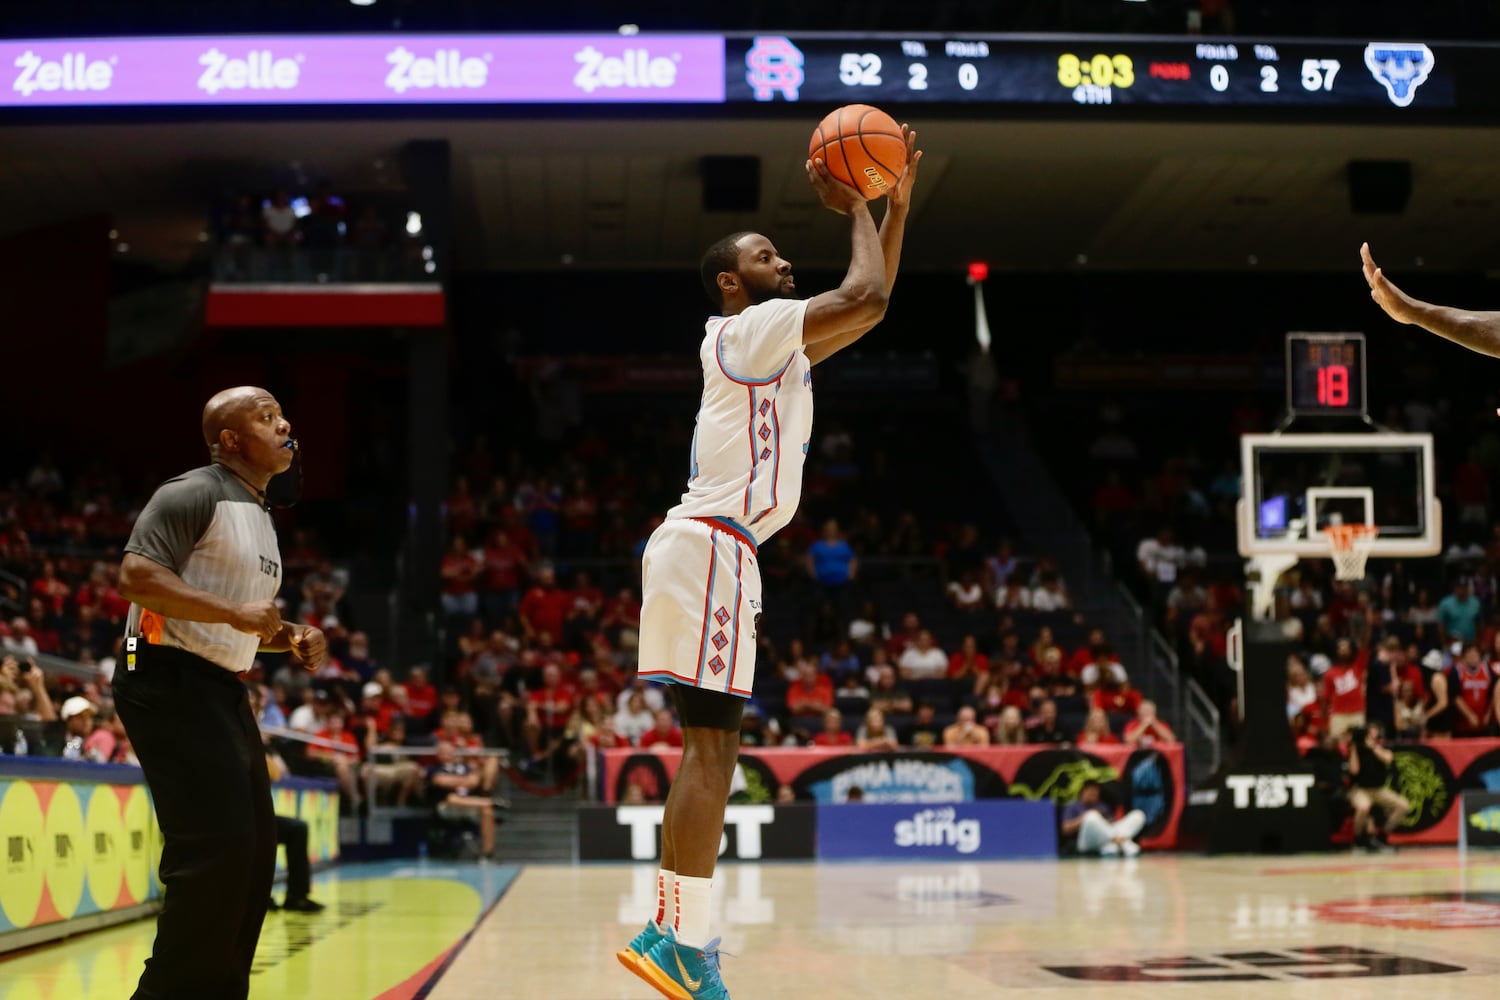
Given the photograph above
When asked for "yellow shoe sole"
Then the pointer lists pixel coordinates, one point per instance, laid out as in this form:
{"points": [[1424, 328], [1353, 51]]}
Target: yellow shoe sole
{"points": [[664, 984]]}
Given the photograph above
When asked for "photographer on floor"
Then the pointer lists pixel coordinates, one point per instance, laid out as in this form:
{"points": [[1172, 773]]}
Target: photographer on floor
{"points": [[1369, 767]]}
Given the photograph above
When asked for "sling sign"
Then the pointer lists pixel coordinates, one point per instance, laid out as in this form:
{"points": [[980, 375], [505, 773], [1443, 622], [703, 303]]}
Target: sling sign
{"points": [[358, 69]]}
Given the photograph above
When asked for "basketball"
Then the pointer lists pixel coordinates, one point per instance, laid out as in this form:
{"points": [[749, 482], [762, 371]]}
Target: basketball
{"points": [[862, 147]]}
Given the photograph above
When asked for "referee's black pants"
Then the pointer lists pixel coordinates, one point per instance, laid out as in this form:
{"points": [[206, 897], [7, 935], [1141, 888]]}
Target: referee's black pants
{"points": [[190, 724]]}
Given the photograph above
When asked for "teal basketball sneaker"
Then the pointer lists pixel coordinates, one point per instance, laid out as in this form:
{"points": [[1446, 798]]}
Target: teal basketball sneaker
{"points": [[682, 973], [630, 956]]}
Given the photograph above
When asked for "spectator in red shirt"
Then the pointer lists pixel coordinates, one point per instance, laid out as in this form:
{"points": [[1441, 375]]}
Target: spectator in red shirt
{"points": [[549, 707], [834, 734], [459, 570], [52, 592], [504, 571], [664, 735], [376, 704], [811, 693], [911, 627], [1343, 693], [100, 593], [968, 662], [1096, 729], [580, 517], [581, 619], [1146, 729], [421, 695], [621, 619], [1115, 694], [545, 605], [344, 763], [42, 630], [1085, 654], [461, 509]]}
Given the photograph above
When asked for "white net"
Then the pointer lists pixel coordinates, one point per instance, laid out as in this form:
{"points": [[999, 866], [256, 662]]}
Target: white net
{"points": [[1349, 546]]}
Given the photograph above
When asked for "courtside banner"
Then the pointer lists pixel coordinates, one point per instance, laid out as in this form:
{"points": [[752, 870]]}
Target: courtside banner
{"points": [[1481, 819], [1150, 780], [751, 832], [363, 69], [989, 829]]}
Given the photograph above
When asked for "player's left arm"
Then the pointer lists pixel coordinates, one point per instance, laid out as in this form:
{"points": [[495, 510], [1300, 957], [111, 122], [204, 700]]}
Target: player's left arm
{"points": [[1478, 331], [892, 234]]}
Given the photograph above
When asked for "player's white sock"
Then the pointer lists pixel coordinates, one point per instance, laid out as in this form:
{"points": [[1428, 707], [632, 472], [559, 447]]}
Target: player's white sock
{"points": [[693, 901], [666, 905]]}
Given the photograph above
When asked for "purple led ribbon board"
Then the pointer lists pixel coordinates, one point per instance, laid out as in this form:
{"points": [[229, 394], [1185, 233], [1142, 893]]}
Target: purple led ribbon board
{"points": [[364, 69]]}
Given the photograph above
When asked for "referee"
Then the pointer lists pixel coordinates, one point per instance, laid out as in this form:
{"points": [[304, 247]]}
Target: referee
{"points": [[202, 570]]}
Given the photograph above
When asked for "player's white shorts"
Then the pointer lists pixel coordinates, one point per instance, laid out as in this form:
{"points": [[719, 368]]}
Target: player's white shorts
{"points": [[700, 600]]}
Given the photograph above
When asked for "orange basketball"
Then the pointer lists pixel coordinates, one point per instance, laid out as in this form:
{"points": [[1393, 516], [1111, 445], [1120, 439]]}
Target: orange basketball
{"points": [[862, 147]]}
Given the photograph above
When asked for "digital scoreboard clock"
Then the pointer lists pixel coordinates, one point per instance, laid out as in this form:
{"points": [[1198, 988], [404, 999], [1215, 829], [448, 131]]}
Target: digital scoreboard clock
{"points": [[1325, 374]]}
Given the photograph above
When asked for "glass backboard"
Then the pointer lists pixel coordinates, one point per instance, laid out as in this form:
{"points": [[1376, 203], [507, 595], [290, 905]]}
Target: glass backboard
{"points": [[1295, 485]]}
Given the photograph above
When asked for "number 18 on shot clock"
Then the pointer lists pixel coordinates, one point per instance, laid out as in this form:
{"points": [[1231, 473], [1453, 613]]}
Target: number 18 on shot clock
{"points": [[1325, 374]]}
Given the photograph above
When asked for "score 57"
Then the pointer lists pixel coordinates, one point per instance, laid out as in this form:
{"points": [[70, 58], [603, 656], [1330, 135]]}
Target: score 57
{"points": [[1318, 74]]}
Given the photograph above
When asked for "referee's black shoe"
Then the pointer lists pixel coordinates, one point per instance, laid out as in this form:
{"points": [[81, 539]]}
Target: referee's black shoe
{"points": [[303, 905]]}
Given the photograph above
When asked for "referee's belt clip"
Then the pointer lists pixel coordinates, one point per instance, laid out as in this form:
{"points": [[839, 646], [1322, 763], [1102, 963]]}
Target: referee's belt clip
{"points": [[130, 642]]}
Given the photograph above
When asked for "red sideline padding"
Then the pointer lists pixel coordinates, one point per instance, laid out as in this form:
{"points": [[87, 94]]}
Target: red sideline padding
{"points": [[272, 305], [1054, 774]]}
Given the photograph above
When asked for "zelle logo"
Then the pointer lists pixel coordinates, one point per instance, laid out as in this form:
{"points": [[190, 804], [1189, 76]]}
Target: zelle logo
{"points": [[1270, 791], [746, 821], [445, 69], [74, 71], [258, 70], [632, 68], [939, 828]]}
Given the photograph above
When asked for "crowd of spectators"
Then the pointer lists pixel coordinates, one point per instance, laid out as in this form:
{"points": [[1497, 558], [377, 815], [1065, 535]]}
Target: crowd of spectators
{"points": [[279, 235]]}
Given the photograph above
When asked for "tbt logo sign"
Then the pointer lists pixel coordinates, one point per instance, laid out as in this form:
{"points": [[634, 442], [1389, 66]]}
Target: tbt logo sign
{"points": [[1269, 791], [74, 71]]}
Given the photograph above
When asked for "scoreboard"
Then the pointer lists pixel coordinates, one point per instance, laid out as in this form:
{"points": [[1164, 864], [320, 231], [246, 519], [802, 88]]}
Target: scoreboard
{"points": [[1097, 71]]}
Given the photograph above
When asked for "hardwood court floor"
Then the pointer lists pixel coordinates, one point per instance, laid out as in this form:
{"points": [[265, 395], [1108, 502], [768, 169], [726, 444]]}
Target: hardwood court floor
{"points": [[1418, 924]]}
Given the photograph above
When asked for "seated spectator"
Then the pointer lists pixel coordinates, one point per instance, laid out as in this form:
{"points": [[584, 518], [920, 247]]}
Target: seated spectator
{"points": [[1045, 641], [636, 718], [359, 662], [1105, 666], [1096, 729], [866, 629], [1114, 695], [875, 733], [887, 695], [1050, 594], [833, 733], [1050, 681], [342, 763], [1093, 823], [966, 731], [650, 693], [621, 619], [1043, 728], [1146, 729], [101, 744], [839, 660], [548, 710], [545, 606], [400, 777], [965, 593], [923, 733], [923, 660], [1000, 566], [811, 694], [78, 714], [459, 570], [911, 627], [968, 663], [664, 735], [1013, 595], [852, 689], [1085, 654], [421, 695], [994, 694], [454, 788], [1010, 728]]}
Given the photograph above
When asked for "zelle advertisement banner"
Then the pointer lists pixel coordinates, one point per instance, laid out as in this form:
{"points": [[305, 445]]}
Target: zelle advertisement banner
{"points": [[364, 69]]}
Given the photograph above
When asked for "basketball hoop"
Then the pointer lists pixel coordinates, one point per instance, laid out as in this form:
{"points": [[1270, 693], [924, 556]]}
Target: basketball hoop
{"points": [[1349, 545]]}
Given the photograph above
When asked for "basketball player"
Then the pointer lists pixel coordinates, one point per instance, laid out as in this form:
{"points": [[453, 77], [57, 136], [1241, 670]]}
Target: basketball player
{"points": [[1478, 331], [700, 580], [201, 570]]}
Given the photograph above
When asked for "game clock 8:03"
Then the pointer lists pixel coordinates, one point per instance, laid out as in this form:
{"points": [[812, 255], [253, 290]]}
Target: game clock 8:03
{"points": [[1098, 71]]}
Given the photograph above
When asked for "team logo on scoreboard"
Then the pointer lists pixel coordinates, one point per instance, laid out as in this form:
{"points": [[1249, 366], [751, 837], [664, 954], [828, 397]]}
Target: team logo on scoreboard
{"points": [[774, 66], [1401, 68]]}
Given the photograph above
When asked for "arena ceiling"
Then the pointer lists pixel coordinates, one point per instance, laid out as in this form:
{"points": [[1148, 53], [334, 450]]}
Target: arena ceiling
{"points": [[621, 193]]}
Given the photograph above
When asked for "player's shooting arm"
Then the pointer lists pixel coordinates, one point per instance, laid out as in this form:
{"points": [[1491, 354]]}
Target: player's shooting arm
{"points": [[1478, 331]]}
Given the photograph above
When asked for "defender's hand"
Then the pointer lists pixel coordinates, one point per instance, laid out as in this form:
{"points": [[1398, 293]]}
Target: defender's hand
{"points": [[900, 195], [1397, 304]]}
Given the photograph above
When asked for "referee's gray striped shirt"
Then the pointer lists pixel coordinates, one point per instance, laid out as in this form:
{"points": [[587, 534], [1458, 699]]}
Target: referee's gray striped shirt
{"points": [[207, 528]]}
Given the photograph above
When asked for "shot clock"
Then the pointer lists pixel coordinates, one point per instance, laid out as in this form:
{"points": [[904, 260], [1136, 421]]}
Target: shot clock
{"points": [[1325, 374]]}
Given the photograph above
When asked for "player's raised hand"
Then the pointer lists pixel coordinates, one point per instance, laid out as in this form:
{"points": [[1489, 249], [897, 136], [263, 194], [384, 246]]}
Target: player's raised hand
{"points": [[900, 195], [833, 193], [1397, 304]]}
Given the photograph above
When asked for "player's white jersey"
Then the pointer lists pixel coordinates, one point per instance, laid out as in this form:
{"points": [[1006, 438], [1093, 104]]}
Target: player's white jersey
{"points": [[754, 422]]}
